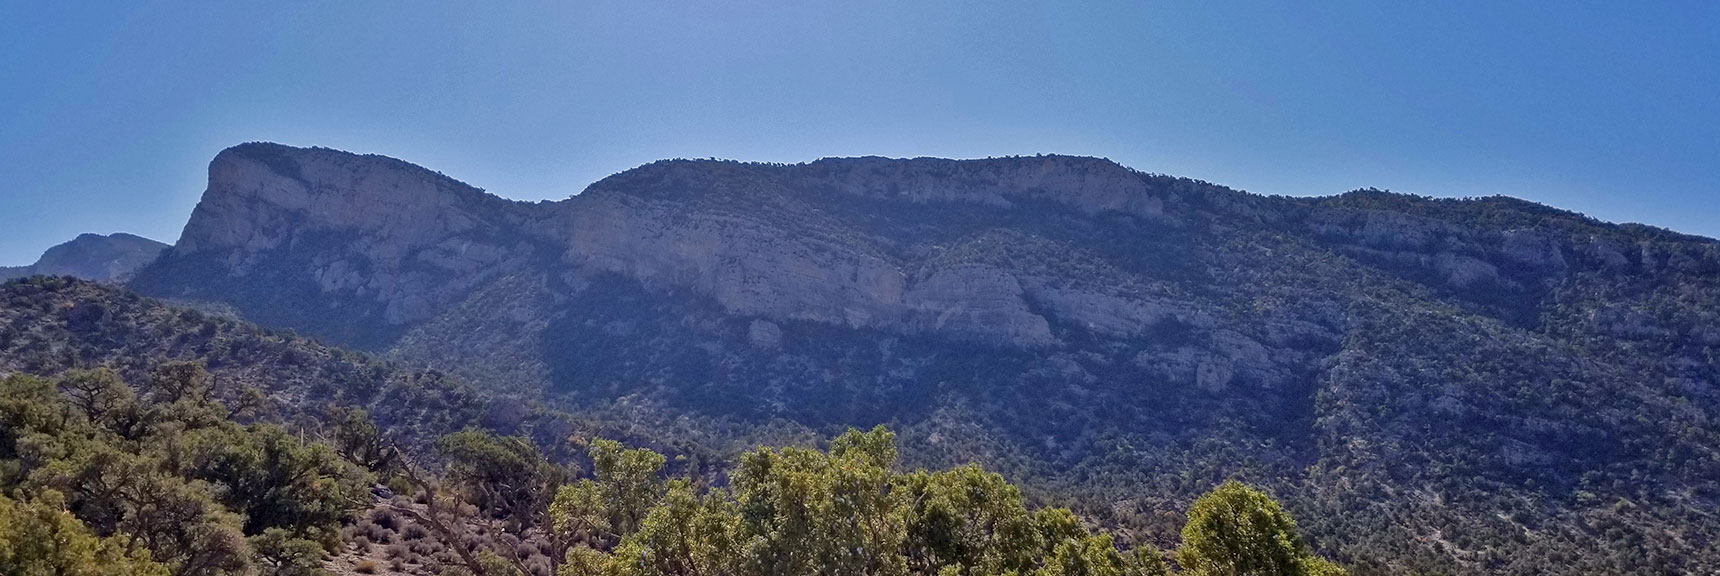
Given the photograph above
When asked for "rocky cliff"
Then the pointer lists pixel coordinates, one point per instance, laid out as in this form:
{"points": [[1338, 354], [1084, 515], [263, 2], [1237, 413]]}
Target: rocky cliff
{"points": [[778, 243], [92, 257], [1405, 367]]}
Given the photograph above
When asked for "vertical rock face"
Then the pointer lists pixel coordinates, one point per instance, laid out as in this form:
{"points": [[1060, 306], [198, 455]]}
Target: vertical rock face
{"points": [[869, 243], [1088, 315], [403, 244], [92, 257], [259, 194], [383, 243], [1010, 252], [772, 257]]}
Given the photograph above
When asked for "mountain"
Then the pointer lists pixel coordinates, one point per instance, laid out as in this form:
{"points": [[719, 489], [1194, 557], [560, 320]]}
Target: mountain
{"points": [[92, 257], [1432, 385]]}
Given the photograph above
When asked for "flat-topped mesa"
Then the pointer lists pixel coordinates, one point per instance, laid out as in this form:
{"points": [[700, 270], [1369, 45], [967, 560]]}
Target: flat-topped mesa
{"points": [[1089, 185]]}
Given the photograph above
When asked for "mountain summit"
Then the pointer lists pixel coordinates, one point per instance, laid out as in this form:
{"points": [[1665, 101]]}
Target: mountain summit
{"points": [[1432, 378], [92, 257]]}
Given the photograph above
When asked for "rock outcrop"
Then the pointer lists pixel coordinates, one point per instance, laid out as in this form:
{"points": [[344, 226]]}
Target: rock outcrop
{"points": [[405, 243], [1009, 252]]}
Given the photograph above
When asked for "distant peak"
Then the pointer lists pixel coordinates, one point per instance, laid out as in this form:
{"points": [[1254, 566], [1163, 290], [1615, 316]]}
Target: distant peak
{"points": [[93, 238], [93, 256]]}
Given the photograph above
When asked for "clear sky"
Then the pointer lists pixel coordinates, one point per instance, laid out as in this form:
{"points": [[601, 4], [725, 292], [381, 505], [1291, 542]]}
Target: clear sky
{"points": [[110, 111]]}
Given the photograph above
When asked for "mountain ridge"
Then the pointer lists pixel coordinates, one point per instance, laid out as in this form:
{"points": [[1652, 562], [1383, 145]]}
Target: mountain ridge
{"points": [[489, 214], [1117, 336]]}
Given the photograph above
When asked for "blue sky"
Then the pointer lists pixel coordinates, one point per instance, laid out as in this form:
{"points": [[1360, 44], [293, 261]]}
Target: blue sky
{"points": [[110, 112]]}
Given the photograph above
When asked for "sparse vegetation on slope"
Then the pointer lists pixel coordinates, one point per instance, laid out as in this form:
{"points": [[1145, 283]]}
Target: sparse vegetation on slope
{"points": [[100, 477]]}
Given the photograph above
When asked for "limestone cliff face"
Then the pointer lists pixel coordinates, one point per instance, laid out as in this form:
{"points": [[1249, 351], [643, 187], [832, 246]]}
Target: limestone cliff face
{"points": [[399, 241], [92, 257], [1024, 253], [258, 194], [772, 256], [789, 243], [773, 242]]}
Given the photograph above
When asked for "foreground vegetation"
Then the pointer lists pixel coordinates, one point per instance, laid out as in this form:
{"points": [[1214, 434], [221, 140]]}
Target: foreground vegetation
{"points": [[101, 478], [162, 476], [1459, 486]]}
